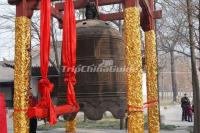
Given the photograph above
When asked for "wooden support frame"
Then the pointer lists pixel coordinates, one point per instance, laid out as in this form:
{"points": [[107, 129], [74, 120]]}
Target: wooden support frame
{"points": [[147, 13], [82, 3], [120, 16]]}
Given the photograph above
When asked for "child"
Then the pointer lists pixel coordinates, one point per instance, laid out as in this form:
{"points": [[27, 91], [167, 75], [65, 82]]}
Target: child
{"points": [[189, 113]]}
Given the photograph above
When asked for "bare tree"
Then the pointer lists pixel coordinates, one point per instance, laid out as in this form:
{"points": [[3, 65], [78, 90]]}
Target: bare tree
{"points": [[195, 81], [8, 27], [170, 40], [173, 33]]}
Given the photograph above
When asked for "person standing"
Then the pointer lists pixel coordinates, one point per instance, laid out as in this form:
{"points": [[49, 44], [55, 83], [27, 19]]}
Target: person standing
{"points": [[189, 113], [33, 121], [184, 104]]}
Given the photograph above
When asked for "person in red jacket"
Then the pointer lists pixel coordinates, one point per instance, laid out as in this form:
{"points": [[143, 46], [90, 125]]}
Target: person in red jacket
{"points": [[33, 121], [189, 113]]}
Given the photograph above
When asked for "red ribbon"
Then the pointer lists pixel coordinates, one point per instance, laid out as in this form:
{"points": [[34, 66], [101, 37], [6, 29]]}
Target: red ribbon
{"points": [[44, 36], [45, 87], [141, 108], [69, 50], [150, 104]]}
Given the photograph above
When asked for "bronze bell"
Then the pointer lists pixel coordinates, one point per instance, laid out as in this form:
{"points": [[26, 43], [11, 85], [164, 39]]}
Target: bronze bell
{"points": [[101, 79]]}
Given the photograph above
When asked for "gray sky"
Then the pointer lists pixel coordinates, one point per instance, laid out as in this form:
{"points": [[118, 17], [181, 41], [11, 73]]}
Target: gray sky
{"points": [[6, 30]]}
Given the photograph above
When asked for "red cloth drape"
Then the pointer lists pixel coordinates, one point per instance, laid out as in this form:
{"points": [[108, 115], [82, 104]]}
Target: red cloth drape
{"points": [[3, 122], [45, 16], [69, 50], [45, 106], [45, 86]]}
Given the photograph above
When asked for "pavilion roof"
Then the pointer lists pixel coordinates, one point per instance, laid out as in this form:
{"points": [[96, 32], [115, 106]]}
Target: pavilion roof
{"points": [[6, 73], [7, 66]]}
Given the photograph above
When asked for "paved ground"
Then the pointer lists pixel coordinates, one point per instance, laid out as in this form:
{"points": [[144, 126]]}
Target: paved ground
{"points": [[106, 131], [171, 115]]}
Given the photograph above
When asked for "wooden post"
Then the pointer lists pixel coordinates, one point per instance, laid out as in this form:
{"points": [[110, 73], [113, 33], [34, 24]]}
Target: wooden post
{"points": [[122, 123], [152, 70], [22, 68], [71, 126], [152, 88], [134, 63]]}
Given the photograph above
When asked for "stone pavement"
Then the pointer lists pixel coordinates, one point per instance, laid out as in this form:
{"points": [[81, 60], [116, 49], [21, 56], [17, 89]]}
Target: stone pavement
{"points": [[105, 131], [171, 116]]}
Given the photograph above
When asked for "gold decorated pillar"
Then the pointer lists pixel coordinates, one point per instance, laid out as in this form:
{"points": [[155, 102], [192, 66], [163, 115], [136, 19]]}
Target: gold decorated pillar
{"points": [[151, 73], [21, 74], [22, 66], [152, 88], [71, 126], [134, 64]]}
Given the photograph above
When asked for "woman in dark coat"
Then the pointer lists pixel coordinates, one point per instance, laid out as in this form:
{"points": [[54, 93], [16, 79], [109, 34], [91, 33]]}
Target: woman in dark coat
{"points": [[185, 102], [33, 121]]}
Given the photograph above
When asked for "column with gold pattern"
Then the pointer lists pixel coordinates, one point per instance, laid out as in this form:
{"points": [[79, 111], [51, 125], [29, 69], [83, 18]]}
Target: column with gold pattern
{"points": [[152, 89], [151, 73], [71, 126], [134, 64], [22, 74]]}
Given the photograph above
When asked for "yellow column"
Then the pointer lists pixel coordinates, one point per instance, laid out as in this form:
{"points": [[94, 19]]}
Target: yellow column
{"points": [[21, 75], [152, 89], [71, 126], [134, 76]]}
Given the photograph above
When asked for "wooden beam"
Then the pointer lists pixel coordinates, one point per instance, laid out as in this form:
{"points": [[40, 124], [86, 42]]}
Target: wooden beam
{"points": [[157, 14], [82, 3], [25, 8], [13, 2], [145, 4], [131, 3], [147, 11], [111, 16], [120, 16], [55, 13]]}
